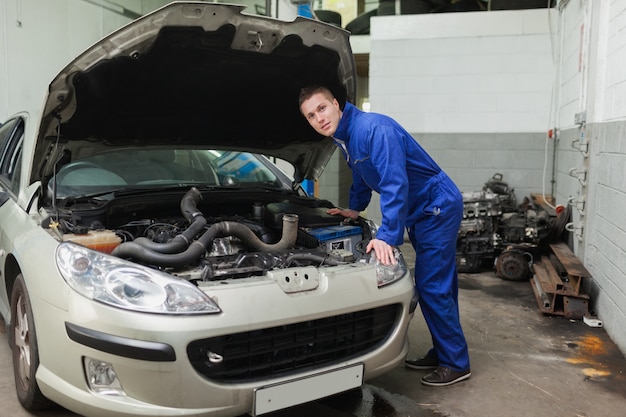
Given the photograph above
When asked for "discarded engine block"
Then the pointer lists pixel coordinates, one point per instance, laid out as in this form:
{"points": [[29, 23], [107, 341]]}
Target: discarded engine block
{"points": [[496, 232]]}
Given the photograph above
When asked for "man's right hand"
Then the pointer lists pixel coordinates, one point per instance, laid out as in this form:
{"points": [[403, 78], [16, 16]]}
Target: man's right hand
{"points": [[353, 214]]}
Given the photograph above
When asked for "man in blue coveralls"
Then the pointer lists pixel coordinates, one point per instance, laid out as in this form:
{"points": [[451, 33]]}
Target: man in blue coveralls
{"points": [[414, 194]]}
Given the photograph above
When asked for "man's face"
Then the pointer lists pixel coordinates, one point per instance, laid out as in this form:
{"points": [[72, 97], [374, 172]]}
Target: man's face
{"points": [[322, 113]]}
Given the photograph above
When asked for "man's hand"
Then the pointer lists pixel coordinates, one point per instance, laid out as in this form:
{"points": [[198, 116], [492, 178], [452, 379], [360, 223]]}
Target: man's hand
{"points": [[353, 214], [383, 251]]}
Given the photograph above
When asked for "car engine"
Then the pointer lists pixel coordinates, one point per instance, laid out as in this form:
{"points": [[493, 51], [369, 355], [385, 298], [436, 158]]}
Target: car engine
{"points": [[496, 231], [216, 234]]}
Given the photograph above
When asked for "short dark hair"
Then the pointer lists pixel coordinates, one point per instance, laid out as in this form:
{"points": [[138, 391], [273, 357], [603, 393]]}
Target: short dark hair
{"points": [[307, 92]]}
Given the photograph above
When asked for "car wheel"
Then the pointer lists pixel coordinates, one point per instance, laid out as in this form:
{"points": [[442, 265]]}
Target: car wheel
{"points": [[24, 347]]}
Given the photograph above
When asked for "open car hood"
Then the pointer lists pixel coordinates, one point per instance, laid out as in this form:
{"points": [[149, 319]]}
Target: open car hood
{"points": [[197, 75]]}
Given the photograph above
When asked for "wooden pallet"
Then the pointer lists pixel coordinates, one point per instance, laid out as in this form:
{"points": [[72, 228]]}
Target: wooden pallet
{"points": [[557, 283]]}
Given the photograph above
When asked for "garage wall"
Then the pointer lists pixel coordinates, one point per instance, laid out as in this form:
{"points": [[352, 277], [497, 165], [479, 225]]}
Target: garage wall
{"points": [[474, 89], [481, 90], [575, 61], [593, 84], [39, 37]]}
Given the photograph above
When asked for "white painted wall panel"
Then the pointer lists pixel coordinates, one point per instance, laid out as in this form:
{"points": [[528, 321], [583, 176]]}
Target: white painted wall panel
{"points": [[604, 244], [4, 63], [593, 80], [48, 35], [472, 72], [614, 104], [51, 33], [573, 26]]}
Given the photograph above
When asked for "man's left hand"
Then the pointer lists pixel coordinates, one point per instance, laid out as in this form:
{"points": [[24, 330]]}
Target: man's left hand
{"points": [[383, 251]]}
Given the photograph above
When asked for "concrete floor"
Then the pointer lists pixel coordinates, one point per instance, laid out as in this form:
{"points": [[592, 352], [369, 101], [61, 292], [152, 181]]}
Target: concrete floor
{"points": [[523, 364]]}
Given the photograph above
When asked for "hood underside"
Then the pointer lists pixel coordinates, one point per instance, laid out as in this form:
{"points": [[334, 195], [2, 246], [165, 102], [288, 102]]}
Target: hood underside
{"points": [[197, 75]]}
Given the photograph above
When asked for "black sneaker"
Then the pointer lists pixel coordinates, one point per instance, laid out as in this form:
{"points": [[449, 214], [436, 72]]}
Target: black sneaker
{"points": [[443, 376], [424, 363]]}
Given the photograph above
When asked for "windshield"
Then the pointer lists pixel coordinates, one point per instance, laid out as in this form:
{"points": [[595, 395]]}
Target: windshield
{"points": [[128, 169]]}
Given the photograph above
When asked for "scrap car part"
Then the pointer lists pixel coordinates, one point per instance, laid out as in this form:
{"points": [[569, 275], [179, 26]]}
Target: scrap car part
{"points": [[514, 265]]}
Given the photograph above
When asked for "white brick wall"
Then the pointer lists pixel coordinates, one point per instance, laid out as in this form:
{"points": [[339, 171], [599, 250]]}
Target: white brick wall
{"points": [[463, 72], [614, 104], [474, 158], [592, 78], [572, 29], [473, 88]]}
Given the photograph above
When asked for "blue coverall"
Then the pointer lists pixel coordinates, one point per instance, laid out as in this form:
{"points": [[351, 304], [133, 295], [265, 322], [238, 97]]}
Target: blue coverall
{"points": [[416, 194]]}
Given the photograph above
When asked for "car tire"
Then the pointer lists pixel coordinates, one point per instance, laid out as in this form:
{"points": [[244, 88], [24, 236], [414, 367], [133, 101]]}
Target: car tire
{"points": [[24, 349]]}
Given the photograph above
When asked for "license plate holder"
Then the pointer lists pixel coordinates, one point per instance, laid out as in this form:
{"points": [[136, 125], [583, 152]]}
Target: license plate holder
{"points": [[298, 391]]}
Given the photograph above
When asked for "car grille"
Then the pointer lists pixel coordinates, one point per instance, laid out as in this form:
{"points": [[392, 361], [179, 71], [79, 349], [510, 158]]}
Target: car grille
{"points": [[281, 350]]}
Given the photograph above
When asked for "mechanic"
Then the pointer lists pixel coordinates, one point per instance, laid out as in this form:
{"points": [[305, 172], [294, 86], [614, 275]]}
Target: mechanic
{"points": [[416, 194]]}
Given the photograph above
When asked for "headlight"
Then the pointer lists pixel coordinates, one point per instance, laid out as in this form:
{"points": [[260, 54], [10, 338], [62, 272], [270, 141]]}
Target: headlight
{"points": [[387, 274], [125, 285], [372, 226]]}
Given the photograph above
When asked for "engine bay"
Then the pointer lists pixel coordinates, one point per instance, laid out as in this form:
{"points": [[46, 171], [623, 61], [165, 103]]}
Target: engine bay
{"points": [[210, 234]]}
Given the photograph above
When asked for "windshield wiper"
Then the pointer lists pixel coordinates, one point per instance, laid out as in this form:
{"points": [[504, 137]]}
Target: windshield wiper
{"points": [[151, 189], [118, 192]]}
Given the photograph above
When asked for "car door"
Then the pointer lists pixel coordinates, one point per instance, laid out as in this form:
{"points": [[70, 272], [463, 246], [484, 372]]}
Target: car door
{"points": [[11, 140]]}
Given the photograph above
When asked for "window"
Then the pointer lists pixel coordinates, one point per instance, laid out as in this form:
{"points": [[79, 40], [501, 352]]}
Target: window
{"points": [[11, 138]]}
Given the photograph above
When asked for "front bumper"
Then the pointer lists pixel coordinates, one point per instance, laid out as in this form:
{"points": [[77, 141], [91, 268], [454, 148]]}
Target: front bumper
{"points": [[161, 360]]}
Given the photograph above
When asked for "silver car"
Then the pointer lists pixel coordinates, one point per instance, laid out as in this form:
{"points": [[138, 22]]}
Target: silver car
{"points": [[154, 259]]}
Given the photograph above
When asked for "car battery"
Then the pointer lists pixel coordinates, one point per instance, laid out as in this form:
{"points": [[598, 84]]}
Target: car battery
{"points": [[335, 238]]}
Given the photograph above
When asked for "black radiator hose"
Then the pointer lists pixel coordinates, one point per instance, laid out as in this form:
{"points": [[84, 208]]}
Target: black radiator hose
{"points": [[199, 247], [180, 242]]}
